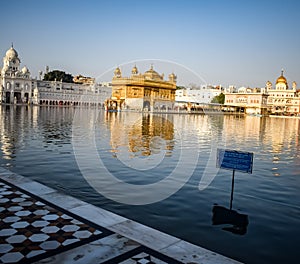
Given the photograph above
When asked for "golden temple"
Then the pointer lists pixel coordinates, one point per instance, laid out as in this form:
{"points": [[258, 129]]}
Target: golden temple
{"points": [[142, 92]]}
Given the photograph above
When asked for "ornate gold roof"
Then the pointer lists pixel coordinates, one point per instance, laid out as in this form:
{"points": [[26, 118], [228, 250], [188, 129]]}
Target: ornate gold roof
{"points": [[152, 74], [281, 79]]}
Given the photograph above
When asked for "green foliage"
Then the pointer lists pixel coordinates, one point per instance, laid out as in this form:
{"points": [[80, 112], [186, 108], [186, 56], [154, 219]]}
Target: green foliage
{"points": [[219, 99], [58, 76], [180, 87]]}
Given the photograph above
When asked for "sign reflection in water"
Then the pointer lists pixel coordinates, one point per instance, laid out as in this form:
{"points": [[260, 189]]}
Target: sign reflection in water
{"points": [[37, 143]]}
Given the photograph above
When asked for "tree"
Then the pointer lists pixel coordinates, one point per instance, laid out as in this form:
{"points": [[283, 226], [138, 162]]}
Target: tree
{"points": [[58, 76], [219, 99]]}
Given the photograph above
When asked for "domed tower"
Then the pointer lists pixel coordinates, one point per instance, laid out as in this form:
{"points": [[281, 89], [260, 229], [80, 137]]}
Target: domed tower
{"points": [[151, 74], [11, 61], [294, 85], [117, 73], [281, 82], [268, 85], [25, 72], [134, 70], [172, 77]]}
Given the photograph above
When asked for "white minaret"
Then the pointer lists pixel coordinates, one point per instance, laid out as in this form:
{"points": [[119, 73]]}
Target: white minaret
{"points": [[11, 61]]}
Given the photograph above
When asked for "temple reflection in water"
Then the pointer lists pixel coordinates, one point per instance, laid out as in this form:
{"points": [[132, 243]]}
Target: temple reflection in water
{"points": [[142, 135], [148, 134]]}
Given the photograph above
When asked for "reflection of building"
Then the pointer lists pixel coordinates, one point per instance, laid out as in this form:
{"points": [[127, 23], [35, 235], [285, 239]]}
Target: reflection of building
{"points": [[13, 120], [251, 101], [281, 98], [274, 135], [284, 133], [148, 91], [245, 128], [17, 86], [138, 133]]}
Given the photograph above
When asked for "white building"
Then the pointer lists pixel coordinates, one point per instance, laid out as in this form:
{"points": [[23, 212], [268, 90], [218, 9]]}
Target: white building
{"points": [[283, 99], [61, 93], [201, 95], [247, 100], [278, 99], [17, 87]]}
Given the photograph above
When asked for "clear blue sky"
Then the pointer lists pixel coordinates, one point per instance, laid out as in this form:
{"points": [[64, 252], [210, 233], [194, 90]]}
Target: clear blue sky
{"points": [[225, 42]]}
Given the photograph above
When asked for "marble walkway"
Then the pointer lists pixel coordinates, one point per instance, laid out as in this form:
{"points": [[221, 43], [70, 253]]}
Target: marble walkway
{"points": [[41, 225]]}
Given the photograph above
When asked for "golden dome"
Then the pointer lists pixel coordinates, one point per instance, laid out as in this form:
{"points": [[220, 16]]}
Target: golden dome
{"points": [[134, 70], [152, 74], [281, 79], [117, 72], [172, 76]]}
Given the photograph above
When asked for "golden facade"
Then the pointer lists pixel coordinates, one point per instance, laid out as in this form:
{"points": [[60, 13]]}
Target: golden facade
{"points": [[143, 92]]}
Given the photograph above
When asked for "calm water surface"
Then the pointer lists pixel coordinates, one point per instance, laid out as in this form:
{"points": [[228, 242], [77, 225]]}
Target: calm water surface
{"points": [[37, 143]]}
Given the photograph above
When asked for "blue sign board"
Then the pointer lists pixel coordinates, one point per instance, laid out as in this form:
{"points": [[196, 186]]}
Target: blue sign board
{"points": [[235, 160]]}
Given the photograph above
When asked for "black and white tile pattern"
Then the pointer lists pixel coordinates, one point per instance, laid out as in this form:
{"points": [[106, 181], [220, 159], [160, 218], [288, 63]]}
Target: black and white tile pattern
{"points": [[31, 230]]}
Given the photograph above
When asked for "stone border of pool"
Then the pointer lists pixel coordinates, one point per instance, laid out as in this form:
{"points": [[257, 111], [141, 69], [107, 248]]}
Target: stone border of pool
{"points": [[153, 239]]}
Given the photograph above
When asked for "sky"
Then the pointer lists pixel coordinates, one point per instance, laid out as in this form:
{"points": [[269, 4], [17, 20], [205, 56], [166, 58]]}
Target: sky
{"points": [[228, 42]]}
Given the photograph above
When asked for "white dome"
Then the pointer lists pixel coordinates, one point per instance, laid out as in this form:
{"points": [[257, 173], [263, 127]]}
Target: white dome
{"points": [[11, 54], [25, 70]]}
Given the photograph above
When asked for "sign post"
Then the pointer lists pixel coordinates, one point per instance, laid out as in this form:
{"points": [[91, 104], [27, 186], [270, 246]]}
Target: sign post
{"points": [[232, 187], [236, 161]]}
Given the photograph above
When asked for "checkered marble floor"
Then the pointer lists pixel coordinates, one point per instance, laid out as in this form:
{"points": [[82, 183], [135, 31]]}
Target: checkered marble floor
{"points": [[33, 230]]}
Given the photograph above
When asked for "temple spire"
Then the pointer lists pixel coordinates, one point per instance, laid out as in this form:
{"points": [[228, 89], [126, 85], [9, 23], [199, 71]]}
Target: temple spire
{"points": [[281, 72]]}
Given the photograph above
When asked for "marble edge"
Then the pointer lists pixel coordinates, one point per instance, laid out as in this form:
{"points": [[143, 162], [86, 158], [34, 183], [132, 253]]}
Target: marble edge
{"points": [[97, 215], [190, 253], [169, 245], [64, 201], [144, 235], [24, 183], [12, 177]]}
